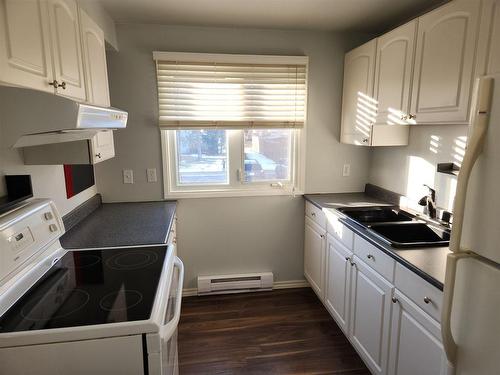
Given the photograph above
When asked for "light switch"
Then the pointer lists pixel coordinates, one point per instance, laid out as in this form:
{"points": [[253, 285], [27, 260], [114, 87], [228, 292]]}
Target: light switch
{"points": [[346, 170], [128, 176], [152, 175]]}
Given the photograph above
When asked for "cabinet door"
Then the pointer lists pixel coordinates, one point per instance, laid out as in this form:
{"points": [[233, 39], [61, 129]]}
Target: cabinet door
{"points": [[370, 313], [314, 256], [395, 52], [338, 268], [443, 73], [25, 57], [102, 146], [94, 54], [67, 48], [358, 105], [416, 347]]}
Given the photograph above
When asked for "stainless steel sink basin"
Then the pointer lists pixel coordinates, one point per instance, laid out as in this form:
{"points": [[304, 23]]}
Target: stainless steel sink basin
{"points": [[411, 234], [369, 215]]}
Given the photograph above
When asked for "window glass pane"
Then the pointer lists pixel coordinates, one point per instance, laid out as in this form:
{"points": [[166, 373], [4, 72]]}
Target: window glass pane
{"points": [[267, 155], [202, 157]]}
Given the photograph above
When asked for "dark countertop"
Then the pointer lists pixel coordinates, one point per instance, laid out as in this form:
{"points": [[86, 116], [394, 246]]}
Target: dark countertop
{"points": [[122, 224], [429, 262]]}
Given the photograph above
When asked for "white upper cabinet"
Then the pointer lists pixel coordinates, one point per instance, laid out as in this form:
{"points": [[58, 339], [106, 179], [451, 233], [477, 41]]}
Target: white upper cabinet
{"points": [[94, 58], [25, 54], [358, 105], [102, 146], [395, 52], [67, 48], [444, 63]]}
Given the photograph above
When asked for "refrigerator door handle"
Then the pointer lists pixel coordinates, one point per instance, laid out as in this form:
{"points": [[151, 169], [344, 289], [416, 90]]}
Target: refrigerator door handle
{"points": [[479, 127], [449, 345]]}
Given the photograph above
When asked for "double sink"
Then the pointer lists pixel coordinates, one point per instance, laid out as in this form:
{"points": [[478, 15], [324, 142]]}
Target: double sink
{"points": [[398, 228]]}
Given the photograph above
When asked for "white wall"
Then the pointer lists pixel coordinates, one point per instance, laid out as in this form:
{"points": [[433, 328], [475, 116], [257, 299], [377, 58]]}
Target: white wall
{"points": [[224, 235], [405, 169]]}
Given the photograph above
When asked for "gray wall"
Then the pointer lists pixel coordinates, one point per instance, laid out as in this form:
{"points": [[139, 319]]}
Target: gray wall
{"points": [[224, 235], [405, 169]]}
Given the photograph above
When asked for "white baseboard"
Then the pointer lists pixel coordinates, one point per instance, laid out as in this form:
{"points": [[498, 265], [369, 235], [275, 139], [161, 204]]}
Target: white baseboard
{"points": [[187, 292]]}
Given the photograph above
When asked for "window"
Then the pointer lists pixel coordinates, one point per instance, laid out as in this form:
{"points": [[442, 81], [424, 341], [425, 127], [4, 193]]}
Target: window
{"points": [[231, 124]]}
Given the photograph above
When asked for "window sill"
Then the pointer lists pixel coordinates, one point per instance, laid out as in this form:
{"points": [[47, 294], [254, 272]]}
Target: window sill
{"points": [[230, 194]]}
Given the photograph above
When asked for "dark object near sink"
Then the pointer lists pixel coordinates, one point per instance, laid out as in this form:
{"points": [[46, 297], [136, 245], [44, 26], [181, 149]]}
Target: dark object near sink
{"points": [[411, 234], [376, 215]]}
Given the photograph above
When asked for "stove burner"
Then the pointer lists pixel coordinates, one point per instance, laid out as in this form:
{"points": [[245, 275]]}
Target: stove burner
{"points": [[72, 299], [132, 260], [84, 261], [121, 300]]}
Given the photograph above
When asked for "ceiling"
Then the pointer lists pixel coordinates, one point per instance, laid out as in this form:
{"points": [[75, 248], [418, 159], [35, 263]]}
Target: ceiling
{"points": [[338, 15]]}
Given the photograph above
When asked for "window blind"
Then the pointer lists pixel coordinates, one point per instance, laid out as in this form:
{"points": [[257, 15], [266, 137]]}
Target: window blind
{"points": [[205, 94]]}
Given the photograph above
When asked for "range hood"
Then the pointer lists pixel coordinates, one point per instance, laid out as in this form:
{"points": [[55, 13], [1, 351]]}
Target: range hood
{"points": [[30, 118]]}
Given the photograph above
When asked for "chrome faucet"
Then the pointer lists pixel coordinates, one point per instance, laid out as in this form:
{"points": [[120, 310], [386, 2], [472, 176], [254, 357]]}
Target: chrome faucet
{"points": [[429, 202]]}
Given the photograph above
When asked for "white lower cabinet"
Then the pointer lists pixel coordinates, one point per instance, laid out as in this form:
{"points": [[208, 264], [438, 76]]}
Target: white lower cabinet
{"points": [[370, 314], [314, 256], [394, 330], [416, 347], [338, 269]]}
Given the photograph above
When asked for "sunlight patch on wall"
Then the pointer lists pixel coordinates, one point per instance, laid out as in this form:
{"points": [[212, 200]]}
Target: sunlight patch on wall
{"points": [[459, 146], [420, 172], [435, 144]]}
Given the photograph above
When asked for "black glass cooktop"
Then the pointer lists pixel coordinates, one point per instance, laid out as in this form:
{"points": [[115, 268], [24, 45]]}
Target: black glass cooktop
{"points": [[90, 287]]}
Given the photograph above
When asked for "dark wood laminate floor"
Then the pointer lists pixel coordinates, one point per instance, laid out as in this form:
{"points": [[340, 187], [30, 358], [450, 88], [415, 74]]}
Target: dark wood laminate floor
{"points": [[279, 332]]}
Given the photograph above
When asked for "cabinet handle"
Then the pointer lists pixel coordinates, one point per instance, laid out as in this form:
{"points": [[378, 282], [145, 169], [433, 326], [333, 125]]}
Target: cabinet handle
{"points": [[313, 214], [427, 300], [98, 155], [54, 83], [369, 256], [322, 236], [394, 300], [347, 259], [62, 85], [365, 140], [412, 117]]}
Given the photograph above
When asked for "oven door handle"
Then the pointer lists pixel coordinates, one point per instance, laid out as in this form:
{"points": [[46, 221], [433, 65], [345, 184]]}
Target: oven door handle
{"points": [[168, 329]]}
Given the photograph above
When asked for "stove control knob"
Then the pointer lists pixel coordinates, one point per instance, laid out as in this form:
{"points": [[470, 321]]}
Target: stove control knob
{"points": [[53, 228], [48, 216]]}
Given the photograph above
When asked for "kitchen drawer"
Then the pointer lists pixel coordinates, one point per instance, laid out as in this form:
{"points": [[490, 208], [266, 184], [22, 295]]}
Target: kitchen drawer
{"points": [[375, 258], [315, 214], [425, 295], [337, 229]]}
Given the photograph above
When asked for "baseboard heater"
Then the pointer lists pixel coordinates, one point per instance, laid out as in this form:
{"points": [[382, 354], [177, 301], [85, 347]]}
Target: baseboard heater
{"points": [[225, 284]]}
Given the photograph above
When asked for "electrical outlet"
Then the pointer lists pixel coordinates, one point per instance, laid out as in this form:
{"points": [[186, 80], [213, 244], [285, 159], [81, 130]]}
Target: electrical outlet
{"points": [[151, 172], [128, 176], [346, 170]]}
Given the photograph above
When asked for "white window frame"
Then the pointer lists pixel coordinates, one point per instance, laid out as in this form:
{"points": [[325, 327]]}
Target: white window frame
{"points": [[235, 188]]}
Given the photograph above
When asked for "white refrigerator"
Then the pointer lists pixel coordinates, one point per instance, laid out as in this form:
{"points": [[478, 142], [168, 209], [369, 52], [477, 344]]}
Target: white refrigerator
{"points": [[471, 312]]}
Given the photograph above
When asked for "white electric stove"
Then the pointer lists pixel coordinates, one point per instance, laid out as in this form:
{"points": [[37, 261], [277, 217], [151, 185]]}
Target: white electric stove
{"points": [[99, 311]]}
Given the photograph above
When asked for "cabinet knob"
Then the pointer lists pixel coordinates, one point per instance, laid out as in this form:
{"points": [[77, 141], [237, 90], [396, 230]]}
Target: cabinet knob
{"points": [[369, 256], [62, 85], [54, 83], [427, 300], [365, 140], [313, 214], [322, 235], [412, 117], [394, 300], [98, 155], [347, 259], [404, 117]]}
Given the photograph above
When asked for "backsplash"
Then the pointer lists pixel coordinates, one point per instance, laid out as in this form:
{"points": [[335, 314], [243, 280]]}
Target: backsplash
{"points": [[404, 170]]}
